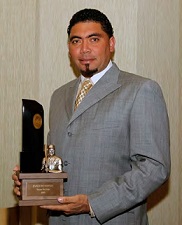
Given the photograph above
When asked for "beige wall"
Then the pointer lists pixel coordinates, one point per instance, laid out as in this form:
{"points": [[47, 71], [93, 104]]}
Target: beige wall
{"points": [[180, 113], [34, 62]]}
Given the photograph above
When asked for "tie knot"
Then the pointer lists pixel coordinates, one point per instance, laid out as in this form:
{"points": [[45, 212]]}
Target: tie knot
{"points": [[86, 84]]}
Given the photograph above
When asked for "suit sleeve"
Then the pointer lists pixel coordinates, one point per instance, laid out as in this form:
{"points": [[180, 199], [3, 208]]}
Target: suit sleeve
{"points": [[149, 157]]}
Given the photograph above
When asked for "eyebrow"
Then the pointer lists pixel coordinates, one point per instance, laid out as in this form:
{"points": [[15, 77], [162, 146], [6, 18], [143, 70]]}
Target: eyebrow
{"points": [[89, 36]]}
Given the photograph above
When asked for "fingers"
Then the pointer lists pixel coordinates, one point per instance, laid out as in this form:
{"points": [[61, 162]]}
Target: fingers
{"points": [[16, 180], [54, 207], [71, 205], [17, 168], [15, 177], [66, 200], [65, 209], [16, 191], [70, 199]]}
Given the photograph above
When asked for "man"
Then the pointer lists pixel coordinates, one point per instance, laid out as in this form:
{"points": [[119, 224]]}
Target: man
{"points": [[115, 142]]}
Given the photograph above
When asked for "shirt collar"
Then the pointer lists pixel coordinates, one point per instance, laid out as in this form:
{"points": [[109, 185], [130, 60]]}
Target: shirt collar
{"points": [[97, 76]]}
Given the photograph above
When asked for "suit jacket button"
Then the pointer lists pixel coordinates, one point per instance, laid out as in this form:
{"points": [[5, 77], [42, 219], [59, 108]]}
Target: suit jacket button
{"points": [[69, 134], [66, 163]]}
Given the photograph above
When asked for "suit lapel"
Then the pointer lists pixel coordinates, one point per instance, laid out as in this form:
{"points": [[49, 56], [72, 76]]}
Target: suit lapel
{"points": [[70, 97], [107, 84]]}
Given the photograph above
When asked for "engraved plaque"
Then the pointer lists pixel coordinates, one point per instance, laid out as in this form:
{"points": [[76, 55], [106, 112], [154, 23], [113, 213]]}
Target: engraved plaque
{"points": [[41, 188]]}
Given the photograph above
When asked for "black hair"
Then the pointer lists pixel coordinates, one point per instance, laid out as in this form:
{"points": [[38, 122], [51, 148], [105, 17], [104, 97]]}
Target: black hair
{"points": [[93, 15]]}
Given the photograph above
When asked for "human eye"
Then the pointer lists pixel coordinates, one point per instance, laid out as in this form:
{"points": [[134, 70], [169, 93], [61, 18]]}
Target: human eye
{"points": [[94, 39], [75, 41]]}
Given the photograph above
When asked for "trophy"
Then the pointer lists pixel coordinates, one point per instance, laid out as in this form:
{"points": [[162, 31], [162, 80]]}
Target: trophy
{"points": [[41, 170]]}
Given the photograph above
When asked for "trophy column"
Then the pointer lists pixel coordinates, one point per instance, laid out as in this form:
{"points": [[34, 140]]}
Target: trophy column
{"points": [[32, 137]]}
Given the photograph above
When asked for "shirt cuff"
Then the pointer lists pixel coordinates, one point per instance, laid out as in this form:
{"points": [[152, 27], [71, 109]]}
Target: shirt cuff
{"points": [[91, 213]]}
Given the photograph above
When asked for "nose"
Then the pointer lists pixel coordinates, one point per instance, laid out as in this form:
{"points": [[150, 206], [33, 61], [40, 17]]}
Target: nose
{"points": [[85, 47]]}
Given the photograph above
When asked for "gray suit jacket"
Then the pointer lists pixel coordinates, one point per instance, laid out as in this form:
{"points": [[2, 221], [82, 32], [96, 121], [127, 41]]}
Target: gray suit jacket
{"points": [[115, 146]]}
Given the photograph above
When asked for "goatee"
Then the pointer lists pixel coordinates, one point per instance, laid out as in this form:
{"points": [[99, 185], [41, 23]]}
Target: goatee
{"points": [[87, 72]]}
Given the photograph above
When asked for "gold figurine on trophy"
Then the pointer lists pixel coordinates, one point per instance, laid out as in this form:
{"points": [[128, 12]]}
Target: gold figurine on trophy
{"points": [[51, 163]]}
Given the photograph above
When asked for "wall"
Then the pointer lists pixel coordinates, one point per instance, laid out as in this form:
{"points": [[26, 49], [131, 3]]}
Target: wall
{"points": [[34, 62]]}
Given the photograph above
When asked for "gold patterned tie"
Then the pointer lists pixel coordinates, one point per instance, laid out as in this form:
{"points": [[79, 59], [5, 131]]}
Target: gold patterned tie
{"points": [[86, 86]]}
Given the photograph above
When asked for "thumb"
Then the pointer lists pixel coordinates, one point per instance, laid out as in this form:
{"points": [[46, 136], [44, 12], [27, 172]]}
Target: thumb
{"points": [[61, 200]]}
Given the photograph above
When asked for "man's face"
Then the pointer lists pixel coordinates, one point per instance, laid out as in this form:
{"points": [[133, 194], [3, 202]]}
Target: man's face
{"points": [[90, 48]]}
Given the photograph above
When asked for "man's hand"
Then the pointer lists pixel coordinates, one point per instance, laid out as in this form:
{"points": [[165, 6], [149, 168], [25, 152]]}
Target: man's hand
{"points": [[17, 182], [76, 204]]}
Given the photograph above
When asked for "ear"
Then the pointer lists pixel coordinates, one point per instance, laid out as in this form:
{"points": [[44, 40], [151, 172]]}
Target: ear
{"points": [[112, 44]]}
